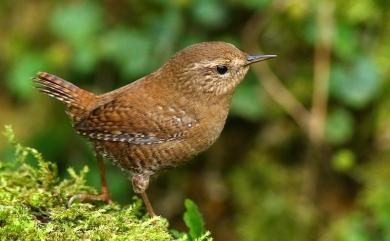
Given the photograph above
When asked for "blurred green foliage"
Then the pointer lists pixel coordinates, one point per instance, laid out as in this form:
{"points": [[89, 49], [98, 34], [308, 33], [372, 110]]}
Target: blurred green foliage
{"points": [[264, 179]]}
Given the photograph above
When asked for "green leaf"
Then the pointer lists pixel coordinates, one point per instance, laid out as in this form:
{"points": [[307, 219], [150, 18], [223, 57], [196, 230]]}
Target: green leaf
{"points": [[85, 58], [343, 160], [77, 22], [360, 11], [211, 13], [355, 85], [194, 220], [130, 49], [346, 42], [19, 78], [339, 126], [177, 234]]}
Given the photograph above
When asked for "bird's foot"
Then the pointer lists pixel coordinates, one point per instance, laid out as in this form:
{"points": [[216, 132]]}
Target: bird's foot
{"points": [[104, 197]]}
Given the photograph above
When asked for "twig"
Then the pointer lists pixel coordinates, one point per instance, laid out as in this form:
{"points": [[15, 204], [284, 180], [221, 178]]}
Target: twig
{"points": [[271, 83], [321, 71], [314, 158]]}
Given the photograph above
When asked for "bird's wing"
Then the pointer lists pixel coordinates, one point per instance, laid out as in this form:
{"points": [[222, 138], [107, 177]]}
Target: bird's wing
{"points": [[124, 121]]}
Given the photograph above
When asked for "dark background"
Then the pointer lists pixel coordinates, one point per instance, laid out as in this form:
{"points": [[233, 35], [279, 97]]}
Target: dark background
{"points": [[305, 151]]}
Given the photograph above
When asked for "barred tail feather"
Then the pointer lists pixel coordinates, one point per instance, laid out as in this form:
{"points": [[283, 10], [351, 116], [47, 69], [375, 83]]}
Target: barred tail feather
{"points": [[78, 101]]}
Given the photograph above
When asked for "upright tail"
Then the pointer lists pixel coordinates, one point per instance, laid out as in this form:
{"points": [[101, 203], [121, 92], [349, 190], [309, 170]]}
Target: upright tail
{"points": [[79, 102]]}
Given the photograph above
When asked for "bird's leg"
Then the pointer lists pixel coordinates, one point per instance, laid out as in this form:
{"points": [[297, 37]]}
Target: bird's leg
{"points": [[148, 204], [104, 195], [102, 171], [140, 184]]}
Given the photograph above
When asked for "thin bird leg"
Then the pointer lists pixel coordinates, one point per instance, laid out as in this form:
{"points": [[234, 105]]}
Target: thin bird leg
{"points": [[102, 171], [140, 183], [104, 196], [148, 204], [103, 180]]}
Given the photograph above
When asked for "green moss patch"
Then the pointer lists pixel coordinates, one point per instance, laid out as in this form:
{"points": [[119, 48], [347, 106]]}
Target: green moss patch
{"points": [[33, 206]]}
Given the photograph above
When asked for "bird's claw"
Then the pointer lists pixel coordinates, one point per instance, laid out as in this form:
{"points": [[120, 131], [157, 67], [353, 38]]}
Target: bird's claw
{"points": [[89, 197]]}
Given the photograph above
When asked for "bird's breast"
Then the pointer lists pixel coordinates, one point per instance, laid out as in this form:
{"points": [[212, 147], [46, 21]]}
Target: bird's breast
{"points": [[208, 128]]}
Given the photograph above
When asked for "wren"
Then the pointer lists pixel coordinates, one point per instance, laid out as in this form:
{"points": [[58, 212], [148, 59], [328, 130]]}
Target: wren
{"points": [[160, 120]]}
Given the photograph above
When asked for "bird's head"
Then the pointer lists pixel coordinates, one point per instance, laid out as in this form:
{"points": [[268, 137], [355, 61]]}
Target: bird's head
{"points": [[211, 68]]}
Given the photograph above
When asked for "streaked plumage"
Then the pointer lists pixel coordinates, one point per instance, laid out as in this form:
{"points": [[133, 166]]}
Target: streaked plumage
{"points": [[161, 119]]}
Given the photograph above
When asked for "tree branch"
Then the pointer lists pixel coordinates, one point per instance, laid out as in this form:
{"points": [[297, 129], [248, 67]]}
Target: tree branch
{"points": [[322, 57]]}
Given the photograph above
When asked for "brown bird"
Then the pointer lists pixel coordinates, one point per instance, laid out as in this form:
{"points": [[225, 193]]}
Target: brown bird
{"points": [[161, 119]]}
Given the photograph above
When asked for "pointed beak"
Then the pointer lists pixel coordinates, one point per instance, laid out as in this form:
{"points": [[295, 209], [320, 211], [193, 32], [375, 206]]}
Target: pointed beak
{"points": [[257, 58]]}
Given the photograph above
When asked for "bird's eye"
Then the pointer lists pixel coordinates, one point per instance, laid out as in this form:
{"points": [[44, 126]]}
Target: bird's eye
{"points": [[222, 69]]}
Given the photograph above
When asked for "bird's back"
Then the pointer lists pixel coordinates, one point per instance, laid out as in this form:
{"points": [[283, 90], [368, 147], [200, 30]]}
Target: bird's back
{"points": [[145, 126]]}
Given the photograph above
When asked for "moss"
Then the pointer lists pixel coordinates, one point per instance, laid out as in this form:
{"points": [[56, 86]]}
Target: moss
{"points": [[33, 206]]}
